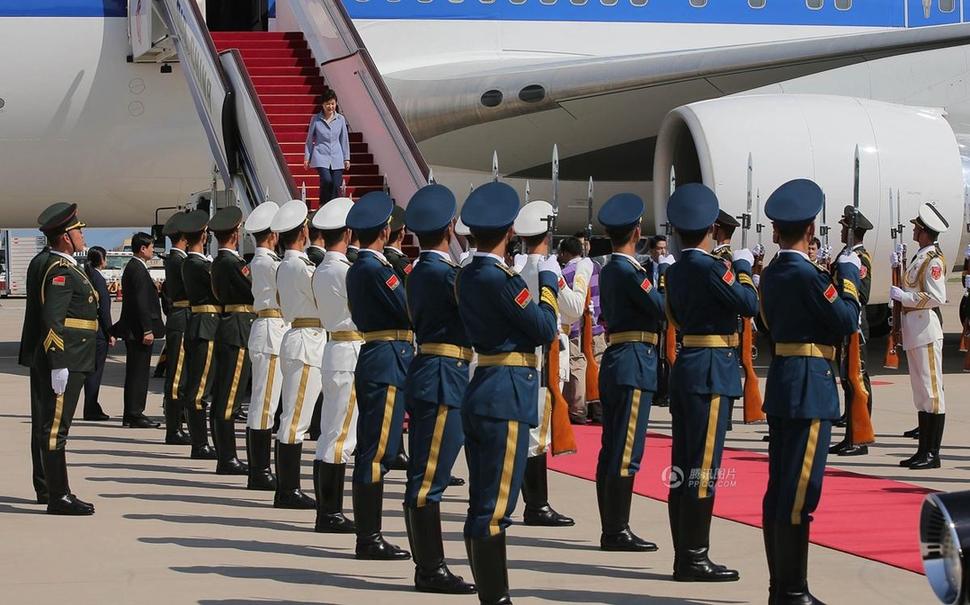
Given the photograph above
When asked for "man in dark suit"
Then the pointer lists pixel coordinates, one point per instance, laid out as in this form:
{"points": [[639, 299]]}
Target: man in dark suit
{"points": [[97, 259], [141, 322]]}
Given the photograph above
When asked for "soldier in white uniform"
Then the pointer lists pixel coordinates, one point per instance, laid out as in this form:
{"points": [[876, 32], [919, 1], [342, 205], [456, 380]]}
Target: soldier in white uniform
{"points": [[338, 416], [301, 352], [922, 295], [265, 340], [532, 225]]}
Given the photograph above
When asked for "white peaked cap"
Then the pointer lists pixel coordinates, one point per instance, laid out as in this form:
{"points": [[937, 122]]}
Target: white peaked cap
{"points": [[333, 214], [533, 219], [931, 217], [291, 215], [462, 229], [261, 217]]}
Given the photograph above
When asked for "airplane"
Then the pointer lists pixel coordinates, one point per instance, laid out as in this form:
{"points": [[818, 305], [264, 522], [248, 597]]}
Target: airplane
{"points": [[631, 91]]}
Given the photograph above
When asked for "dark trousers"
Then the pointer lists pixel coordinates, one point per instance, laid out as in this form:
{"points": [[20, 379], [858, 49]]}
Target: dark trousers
{"points": [[92, 386], [330, 181], [699, 422], [175, 367], [496, 452], [57, 411], [625, 414], [38, 376], [379, 424], [138, 366], [797, 451], [435, 438]]}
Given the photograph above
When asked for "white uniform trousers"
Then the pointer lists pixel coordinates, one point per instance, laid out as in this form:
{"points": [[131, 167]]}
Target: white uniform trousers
{"points": [[338, 417], [540, 437], [267, 386], [301, 386], [926, 376]]}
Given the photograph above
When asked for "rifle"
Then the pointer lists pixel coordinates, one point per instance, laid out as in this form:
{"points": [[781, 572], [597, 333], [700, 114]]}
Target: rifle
{"points": [[895, 339], [752, 390], [563, 440], [860, 424], [826, 250], [495, 166], [586, 338]]}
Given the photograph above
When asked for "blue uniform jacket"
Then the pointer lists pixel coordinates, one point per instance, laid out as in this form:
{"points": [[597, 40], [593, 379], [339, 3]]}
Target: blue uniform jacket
{"points": [[434, 315], [630, 301], [375, 296], [500, 317], [801, 304], [705, 296]]}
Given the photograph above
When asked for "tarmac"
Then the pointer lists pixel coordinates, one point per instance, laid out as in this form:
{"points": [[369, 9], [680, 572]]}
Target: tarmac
{"points": [[169, 531]]}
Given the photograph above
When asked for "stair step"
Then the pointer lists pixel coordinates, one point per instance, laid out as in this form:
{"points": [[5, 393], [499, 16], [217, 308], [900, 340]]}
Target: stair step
{"points": [[306, 109], [255, 70], [304, 99], [273, 80], [283, 54], [242, 44], [362, 163], [289, 89], [257, 36], [296, 144], [279, 62]]}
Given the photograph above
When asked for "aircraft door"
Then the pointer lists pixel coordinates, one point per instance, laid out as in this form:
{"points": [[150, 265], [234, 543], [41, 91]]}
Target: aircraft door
{"points": [[237, 15]]}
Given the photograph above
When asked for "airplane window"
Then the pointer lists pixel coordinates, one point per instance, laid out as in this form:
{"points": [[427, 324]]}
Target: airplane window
{"points": [[609, 2], [843, 5], [947, 6], [815, 4], [517, 1], [547, 2], [639, 2], [698, 3], [578, 2], [756, 3]]}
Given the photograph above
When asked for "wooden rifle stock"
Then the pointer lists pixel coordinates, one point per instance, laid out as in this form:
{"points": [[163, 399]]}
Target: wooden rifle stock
{"points": [[862, 432], [592, 368], [752, 390], [670, 344], [895, 334], [563, 440]]}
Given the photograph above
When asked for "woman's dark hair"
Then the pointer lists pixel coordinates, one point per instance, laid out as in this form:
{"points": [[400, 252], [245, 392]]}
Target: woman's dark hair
{"points": [[140, 240], [96, 256], [328, 95]]}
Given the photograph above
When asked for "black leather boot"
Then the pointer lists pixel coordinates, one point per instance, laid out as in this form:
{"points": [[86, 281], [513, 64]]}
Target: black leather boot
{"points": [[368, 507], [60, 499], [673, 514], [912, 433], [768, 534], [535, 493], [490, 568], [229, 463], [616, 494], [931, 454], [288, 492], [400, 462], [923, 433], [258, 445], [195, 419], [692, 561], [174, 435], [431, 574], [328, 485], [791, 565]]}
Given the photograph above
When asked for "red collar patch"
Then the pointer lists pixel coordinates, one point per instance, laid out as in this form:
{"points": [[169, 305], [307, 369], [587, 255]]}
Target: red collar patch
{"points": [[392, 281], [522, 298]]}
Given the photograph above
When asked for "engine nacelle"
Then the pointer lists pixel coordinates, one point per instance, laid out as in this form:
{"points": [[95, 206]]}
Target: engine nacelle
{"points": [[912, 149]]}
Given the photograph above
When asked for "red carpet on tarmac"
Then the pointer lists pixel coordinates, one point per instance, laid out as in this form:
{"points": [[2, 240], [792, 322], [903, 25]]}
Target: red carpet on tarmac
{"points": [[866, 516]]}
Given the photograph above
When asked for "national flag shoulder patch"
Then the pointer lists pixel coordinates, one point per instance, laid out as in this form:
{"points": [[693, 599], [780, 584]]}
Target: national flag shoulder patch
{"points": [[831, 293], [863, 271], [728, 277], [392, 282], [58, 280], [562, 282], [645, 285], [408, 268], [522, 298], [936, 272], [246, 271]]}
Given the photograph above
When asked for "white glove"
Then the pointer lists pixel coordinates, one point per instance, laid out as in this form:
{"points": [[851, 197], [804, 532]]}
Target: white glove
{"points": [[967, 253], [59, 380], [744, 254], [896, 293], [756, 279], [850, 258], [893, 259], [901, 250], [550, 264], [667, 259], [966, 282], [758, 250]]}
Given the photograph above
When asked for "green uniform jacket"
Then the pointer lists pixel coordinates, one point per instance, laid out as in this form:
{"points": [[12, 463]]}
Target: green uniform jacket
{"points": [[401, 263], [198, 287], [30, 337], [178, 317], [69, 320], [232, 285]]}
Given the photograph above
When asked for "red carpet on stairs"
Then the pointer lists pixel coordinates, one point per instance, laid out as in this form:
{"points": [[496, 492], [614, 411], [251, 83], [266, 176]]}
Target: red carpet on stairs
{"points": [[866, 516], [288, 82]]}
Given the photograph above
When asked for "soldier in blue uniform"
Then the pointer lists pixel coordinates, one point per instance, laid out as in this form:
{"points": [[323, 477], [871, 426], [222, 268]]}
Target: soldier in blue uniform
{"points": [[704, 296], [807, 316], [375, 295], [632, 308], [504, 326], [435, 386]]}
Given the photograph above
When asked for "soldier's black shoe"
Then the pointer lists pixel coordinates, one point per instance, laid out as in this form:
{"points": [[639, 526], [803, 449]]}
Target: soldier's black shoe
{"points": [[662, 402], [923, 431], [177, 438], [489, 566], [931, 451], [854, 450], [42, 498], [400, 462], [614, 495], [203, 452], [841, 422], [455, 481], [791, 565], [96, 414], [233, 466], [841, 445], [258, 446], [691, 562], [69, 504], [139, 422], [328, 487], [288, 492], [535, 493], [912, 433], [431, 574], [60, 500], [368, 506]]}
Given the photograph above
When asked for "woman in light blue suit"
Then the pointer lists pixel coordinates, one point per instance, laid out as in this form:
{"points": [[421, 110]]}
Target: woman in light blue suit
{"points": [[328, 147]]}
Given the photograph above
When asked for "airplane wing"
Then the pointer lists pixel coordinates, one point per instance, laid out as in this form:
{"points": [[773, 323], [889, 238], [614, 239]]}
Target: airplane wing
{"points": [[436, 106]]}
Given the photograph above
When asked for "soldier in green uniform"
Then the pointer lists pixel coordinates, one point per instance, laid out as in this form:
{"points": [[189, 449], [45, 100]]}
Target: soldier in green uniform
{"points": [[233, 287], [175, 324], [724, 229], [402, 267], [315, 251], [200, 333], [66, 352]]}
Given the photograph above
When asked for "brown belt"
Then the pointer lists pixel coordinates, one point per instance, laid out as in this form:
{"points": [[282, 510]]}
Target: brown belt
{"points": [[206, 309], [180, 304]]}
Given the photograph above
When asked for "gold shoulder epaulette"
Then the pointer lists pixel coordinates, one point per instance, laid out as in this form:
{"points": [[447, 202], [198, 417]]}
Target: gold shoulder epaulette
{"points": [[508, 270]]}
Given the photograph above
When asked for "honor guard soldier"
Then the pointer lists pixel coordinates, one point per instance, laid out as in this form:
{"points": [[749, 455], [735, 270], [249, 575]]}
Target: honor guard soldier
{"points": [[402, 266], [65, 350], [632, 308], [724, 228], [463, 230], [807, 316], [532, 225], [316, 250], [301, 352], [922, 295], [338, 418], [435, 387], [847, 447], [704, 297], [354, 248], [504, 326], [375, 295], [233, 286], [265, 340], [175, 325], [203, 324]]}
